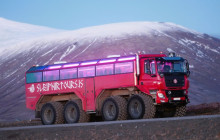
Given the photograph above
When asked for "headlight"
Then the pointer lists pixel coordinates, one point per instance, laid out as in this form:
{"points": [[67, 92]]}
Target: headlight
{"points": [[161, 95]]}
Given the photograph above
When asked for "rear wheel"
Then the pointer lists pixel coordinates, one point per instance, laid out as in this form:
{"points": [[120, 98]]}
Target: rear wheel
{"points": [[73, 112], [51, 113], [114, 108], [141, 106]]}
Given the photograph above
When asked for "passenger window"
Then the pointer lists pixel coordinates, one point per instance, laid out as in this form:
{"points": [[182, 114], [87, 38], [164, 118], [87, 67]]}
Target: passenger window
{"points": [[68, 73], [51, 75], [126, 67], [104, 69], [86, 71], [34, 77]]}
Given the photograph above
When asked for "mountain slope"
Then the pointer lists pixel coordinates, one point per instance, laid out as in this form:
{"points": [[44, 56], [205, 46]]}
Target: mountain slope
{"points": [[202, 52], [14, 32]]}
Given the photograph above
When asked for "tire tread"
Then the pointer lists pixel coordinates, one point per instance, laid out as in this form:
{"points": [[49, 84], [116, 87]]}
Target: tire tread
{"points": [[122, 107], [59, 112], [150, 108], [84, 117], [180, 111]]}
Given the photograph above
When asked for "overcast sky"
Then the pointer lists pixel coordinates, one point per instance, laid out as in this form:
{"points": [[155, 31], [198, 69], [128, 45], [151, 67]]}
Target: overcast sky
{"points": [[199, 15]]}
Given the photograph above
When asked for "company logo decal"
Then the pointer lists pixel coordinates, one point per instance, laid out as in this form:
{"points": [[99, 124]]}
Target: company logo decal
{"points": [[31, 88], [56, 86], [175, 81]]}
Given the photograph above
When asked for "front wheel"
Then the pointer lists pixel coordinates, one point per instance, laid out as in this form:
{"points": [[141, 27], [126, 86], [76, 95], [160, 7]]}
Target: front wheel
{"points": [[171, 111], [180, 111], [141, 106]]}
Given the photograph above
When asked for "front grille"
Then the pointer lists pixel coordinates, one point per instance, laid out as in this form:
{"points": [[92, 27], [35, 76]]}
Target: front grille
{"points": [[174, 93], [174, 80]]}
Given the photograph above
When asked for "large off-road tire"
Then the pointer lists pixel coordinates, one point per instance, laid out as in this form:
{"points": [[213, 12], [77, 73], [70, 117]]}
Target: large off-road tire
{"points": [[140, 106], [180, 111], [114, 108], [172, 111], [73, 112], [51, 113], [165, 111]]}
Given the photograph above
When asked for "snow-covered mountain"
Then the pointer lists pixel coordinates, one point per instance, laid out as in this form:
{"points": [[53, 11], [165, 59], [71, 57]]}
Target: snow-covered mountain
{"points": [[12, 32], [201, 50]]}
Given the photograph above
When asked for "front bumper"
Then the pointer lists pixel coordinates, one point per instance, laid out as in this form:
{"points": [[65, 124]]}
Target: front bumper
{"points": [[172, 97]]}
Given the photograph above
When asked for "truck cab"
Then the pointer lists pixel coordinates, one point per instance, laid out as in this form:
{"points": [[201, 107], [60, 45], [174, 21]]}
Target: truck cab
{"points": [[165, 79]]}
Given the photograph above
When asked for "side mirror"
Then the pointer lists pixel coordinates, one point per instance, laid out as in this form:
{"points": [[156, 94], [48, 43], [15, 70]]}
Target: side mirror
{"points": [[187, 66], [187, 69], [188, 73]]}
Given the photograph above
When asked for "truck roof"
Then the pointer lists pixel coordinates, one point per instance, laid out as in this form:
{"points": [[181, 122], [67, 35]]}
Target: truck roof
{"points": [[92, 62], [172, 58]]}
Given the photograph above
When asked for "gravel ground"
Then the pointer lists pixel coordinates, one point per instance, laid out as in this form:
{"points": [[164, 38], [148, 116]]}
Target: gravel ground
{"points": [[194, 110]]}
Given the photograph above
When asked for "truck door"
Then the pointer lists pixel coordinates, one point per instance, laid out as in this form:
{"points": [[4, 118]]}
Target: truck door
{"points": [[90, 94], [148, 75]]}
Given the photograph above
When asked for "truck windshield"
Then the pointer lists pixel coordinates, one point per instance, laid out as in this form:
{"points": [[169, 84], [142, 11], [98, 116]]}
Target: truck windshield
{"points": [[171, 66]]}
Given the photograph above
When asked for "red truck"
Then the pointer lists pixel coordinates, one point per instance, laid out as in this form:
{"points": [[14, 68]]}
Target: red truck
{"points": [[119, 88]]}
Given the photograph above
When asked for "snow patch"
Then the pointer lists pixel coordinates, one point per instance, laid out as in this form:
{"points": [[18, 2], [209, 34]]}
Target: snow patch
{"points": [[110, 56], [182, 51], [68, 51], [186, 42], [26, 62], [86, 48], [8, 75], [170, 50], [199, 53], [50, 59], [191, 66], [47, 53], [213, 50]]}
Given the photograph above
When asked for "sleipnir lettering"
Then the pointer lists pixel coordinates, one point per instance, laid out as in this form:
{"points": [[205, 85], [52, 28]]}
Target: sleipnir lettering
{"points": [[59, 85]]}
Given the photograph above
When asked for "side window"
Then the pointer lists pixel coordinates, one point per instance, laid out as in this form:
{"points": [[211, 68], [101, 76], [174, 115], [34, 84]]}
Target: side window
{"points": [[68, 73], [34, 77], [104, 69], [152, 67], [86, 71], [51, 75], [126, 67], [147, 66]]}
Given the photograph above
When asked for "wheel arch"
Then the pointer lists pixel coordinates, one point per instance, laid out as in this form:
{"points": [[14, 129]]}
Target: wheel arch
{"points": [[125, 92], [64, 97]]}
